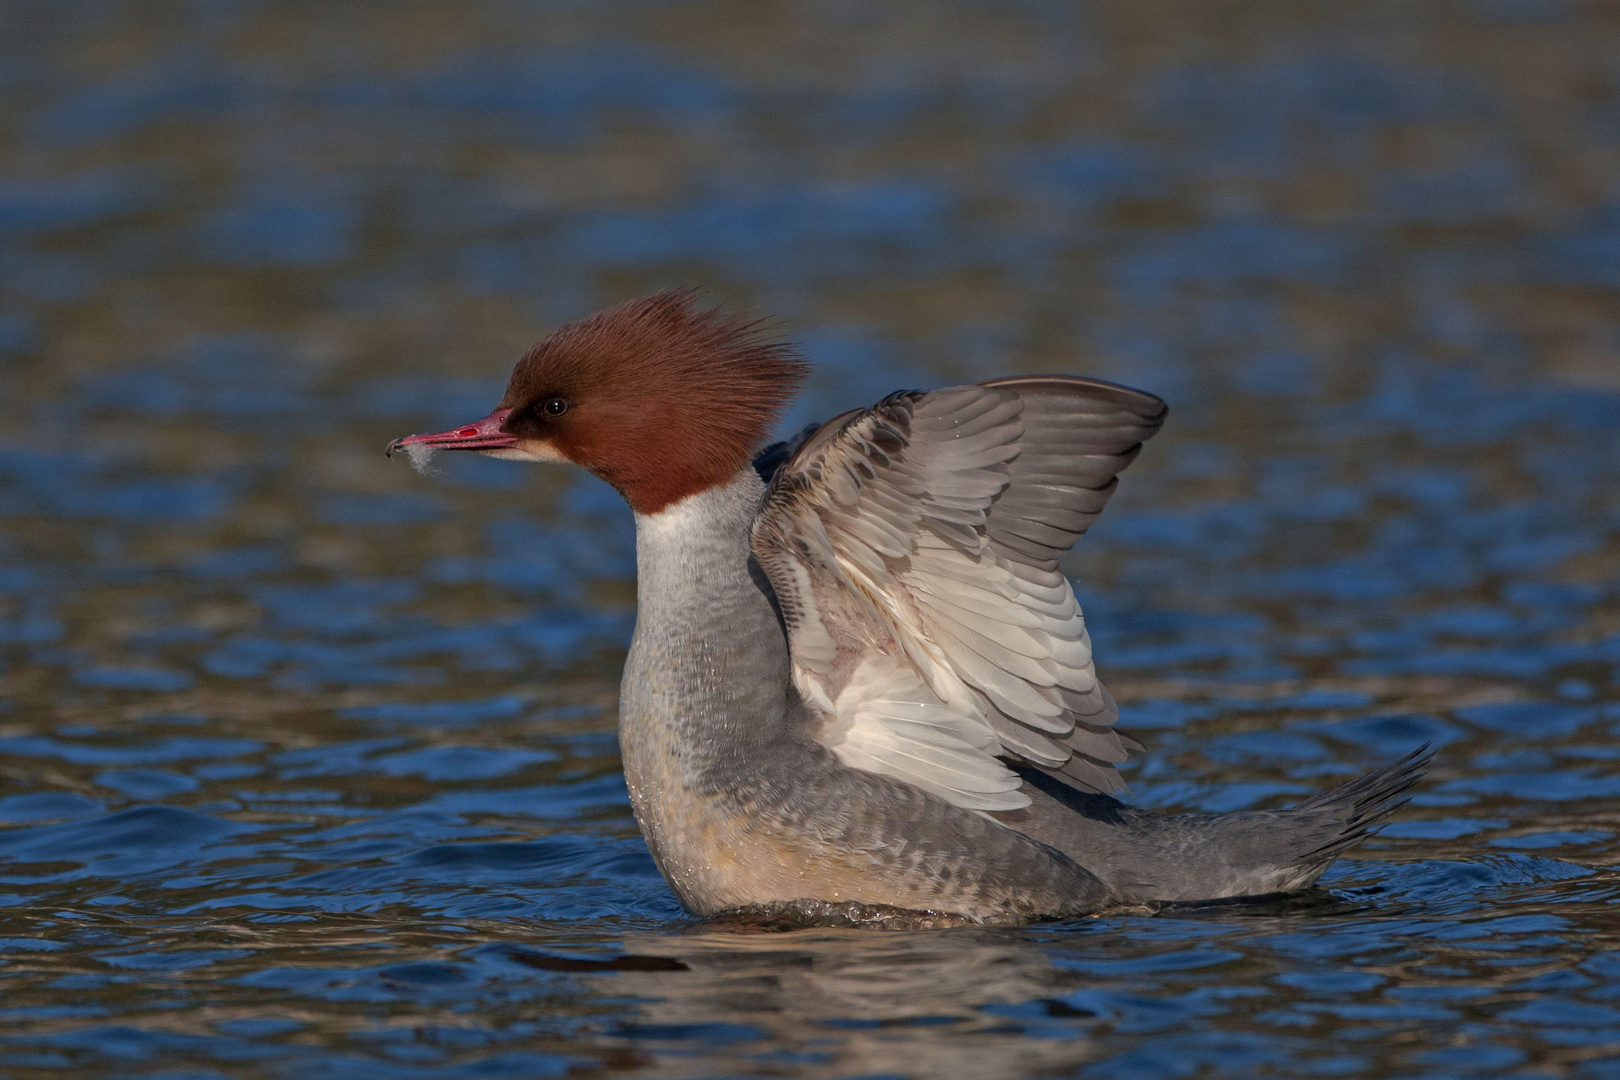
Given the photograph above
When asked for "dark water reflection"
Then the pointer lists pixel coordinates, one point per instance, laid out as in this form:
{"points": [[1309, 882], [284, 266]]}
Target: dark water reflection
{"points": [[307, 763]]}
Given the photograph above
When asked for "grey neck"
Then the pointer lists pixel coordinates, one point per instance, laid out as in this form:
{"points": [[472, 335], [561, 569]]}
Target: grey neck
{"points": [[706, 682]]}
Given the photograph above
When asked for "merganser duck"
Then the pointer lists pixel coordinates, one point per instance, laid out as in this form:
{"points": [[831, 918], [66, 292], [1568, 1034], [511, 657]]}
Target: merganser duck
{"points": [[860, 689]]}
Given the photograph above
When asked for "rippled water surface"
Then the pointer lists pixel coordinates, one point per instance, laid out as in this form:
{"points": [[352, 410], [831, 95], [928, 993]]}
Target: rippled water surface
{"points": [[307, 762]]}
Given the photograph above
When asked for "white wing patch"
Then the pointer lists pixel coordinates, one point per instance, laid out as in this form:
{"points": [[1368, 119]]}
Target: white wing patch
{"points": [[886, 721]]}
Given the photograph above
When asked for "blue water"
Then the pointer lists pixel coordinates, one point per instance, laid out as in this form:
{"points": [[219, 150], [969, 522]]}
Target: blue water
{"points": [[307, 762]]}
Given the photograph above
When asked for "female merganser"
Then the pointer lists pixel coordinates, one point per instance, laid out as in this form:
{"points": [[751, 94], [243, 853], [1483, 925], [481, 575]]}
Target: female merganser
{"points": [[859, 685]]}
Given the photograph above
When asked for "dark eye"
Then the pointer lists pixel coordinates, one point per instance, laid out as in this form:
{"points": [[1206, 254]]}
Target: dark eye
{"points": [[555, 406]]}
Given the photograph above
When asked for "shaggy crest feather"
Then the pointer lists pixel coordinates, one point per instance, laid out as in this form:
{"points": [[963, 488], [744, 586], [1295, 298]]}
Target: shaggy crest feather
{"points": [[664, 399]]}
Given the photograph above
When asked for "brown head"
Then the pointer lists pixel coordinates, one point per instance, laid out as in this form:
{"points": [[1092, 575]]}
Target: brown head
{"points": [[660, 398]]}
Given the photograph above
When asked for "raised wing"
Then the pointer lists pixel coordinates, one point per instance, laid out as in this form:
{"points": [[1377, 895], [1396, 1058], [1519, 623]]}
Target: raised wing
{"points": [[913, 547]]}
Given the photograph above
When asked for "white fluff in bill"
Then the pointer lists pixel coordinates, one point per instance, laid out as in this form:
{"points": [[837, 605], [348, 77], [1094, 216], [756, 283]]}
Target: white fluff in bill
{"points": [[422, 455]]}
